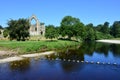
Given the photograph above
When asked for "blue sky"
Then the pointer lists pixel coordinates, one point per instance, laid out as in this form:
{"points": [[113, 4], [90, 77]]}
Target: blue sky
{"points": [[52, 11]]}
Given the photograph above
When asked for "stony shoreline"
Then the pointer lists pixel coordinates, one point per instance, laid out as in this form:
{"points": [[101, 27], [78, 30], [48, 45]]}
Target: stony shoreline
{"points": [[20, 57]]}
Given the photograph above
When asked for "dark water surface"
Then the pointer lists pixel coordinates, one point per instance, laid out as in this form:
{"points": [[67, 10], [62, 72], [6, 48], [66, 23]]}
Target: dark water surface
{"points": [[101, 62]]}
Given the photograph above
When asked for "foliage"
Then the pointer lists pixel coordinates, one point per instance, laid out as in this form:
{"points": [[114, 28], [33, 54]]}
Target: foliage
{"points": [[5, 33], [1, 27], [18, 29], [100, 35], [115, 29], [80, 32], [90, 33], [67, 26], [51, 32], [104, 28], [0, 32]]}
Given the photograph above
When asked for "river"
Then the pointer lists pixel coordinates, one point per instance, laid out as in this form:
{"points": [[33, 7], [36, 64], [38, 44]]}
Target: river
{"points": [[89, 61]]}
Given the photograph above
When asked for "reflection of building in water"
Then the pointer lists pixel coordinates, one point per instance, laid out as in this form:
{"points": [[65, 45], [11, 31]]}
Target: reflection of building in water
{"points": [[36, 29]]}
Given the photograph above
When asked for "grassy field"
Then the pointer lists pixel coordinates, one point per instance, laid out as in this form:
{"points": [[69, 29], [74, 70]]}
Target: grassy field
{"points": [[24, 47]]}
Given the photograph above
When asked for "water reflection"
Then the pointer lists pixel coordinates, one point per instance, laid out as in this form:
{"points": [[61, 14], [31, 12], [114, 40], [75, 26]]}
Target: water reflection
{"points": [[100, 48], [21, 65], [104, 52], [63, 65], [87, 49]]}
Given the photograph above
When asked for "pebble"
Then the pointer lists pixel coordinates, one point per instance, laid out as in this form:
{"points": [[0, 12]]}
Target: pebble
{"points": [[115, 63], [92, 62], [64, 60], [108, 62], [86, 61], [82, 61], [68, 60], [98, 62], [103, 63], [78, 61], [52, 58], [73, 60]]}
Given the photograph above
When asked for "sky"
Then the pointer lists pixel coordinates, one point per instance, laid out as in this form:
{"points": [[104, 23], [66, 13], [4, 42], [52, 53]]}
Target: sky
{"points": [[53, 11]]}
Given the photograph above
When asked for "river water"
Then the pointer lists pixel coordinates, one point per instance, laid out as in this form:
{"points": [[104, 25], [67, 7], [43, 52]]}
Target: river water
{"points": [[89, 61]]}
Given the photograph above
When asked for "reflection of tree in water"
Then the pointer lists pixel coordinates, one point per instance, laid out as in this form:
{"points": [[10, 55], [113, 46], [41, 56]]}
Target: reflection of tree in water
{"points": [[102, 48], [90, 47], [71, 66], [71, 54], [115, 49], [21, 65], [87, 48]]}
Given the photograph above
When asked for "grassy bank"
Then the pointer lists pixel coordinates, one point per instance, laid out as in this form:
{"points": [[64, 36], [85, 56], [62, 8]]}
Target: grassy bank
{"points": [[115, 39], [35, 46]]}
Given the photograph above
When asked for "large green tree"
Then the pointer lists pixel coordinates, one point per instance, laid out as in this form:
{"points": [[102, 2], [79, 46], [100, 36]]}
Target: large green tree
{"points": [[80, 31], [5, 32], [105, 28], [51, 32], [19, 29], [90, 33], [115, 29], [67, 27]]}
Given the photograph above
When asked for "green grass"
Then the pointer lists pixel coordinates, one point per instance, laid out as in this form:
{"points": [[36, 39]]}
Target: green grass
{"points": [[24, 47], [115, 39]]}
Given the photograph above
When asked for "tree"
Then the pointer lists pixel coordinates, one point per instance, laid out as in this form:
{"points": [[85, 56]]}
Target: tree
{"points": [[67, 26], [80, 31], [19, 29], [115, 29], [105, 28], [98, 27], [51, 32], [1, 27], [90, 25], [5, 33], [0, 32], [90, 35]]}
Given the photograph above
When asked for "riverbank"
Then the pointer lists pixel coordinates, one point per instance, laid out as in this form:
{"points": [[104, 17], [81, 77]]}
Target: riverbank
{"points": [[21, 57], [109, 41], [27, 47]]}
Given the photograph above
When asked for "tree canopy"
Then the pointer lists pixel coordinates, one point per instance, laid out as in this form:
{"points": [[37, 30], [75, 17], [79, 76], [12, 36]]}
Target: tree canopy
{"points": [[18, 29], [115, 29], [68, 26], [51, 32]]}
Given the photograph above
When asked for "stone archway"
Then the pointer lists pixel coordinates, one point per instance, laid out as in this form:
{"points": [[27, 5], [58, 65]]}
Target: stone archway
{"points": [[34, 29], [38, 28]]}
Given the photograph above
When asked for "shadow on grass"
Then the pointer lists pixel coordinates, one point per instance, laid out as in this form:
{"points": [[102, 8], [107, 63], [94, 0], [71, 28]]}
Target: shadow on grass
{"points": [[51, 40], [67, 39]]}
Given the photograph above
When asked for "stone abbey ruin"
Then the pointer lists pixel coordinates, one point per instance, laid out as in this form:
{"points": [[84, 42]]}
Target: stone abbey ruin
{"points": [[36, 29]]}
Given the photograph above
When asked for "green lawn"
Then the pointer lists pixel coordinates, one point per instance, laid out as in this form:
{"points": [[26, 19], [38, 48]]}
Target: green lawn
{"points": [[24, 47]]}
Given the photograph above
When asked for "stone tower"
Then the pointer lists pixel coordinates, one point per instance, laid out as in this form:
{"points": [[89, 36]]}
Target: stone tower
{"points": [[36, 29]]}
